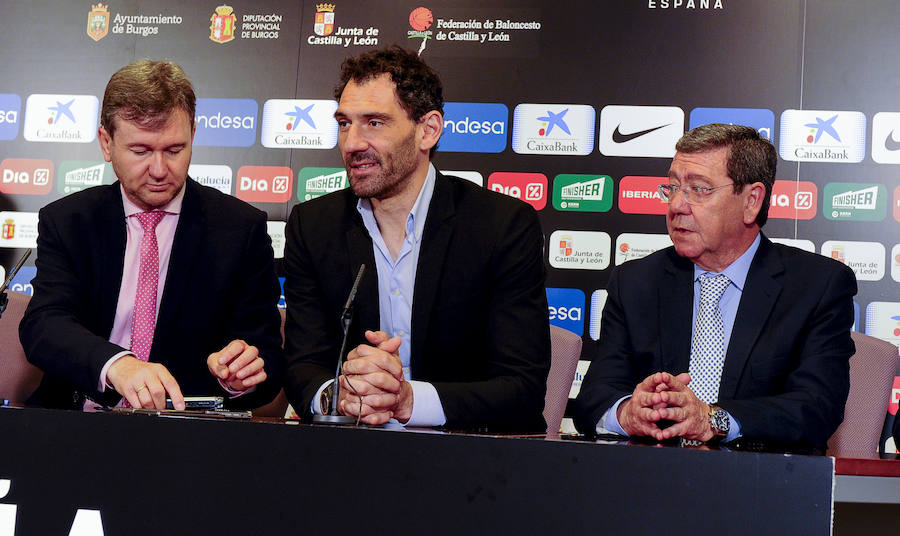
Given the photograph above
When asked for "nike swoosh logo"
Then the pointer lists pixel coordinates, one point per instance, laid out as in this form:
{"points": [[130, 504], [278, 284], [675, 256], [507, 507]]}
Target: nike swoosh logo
{"points": [[890, 144], [618, 137]]}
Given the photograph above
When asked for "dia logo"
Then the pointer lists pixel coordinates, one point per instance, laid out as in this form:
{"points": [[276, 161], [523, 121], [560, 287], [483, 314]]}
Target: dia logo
{"points": [[264, 184]]}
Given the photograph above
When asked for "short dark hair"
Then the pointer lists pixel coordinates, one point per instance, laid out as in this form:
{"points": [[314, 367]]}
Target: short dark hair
{"points": [[418, 86], [147, 92], [751, 158]]}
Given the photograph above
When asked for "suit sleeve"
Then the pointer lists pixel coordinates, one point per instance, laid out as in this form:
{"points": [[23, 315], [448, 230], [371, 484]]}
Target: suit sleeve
{"points": [[807, 404], [53, 335], [517, 345], [311, 342]]}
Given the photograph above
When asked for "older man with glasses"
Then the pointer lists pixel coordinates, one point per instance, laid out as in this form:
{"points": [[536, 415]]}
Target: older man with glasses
{"points": [[725, 335]]}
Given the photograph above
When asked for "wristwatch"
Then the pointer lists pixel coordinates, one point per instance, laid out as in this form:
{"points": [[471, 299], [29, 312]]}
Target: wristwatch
{"points": [[325, 399], [719, 422]]}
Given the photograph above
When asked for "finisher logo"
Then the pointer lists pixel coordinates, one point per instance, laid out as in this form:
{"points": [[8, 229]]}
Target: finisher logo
{"points": [[566, 308], [76, 175], [529, 187], [761, 119], [10, 106], [264, 184], [582, 193], [317, 181], [474, 127], [299, 124], [640, 195], [793, 199], [226, 122], [822, 136], [855, 202], [27, 176], [562, 129], [645, 131], [61, 118]]}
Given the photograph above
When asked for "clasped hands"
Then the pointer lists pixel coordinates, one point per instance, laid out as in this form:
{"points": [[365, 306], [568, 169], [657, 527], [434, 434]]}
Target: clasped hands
{"points": [[146, 385], [372, 383], [662, 396]]}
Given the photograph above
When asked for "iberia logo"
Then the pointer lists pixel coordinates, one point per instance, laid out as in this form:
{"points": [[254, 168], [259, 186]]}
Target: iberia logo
{"points": [[98, 21], [222, 24], [324, 22]]}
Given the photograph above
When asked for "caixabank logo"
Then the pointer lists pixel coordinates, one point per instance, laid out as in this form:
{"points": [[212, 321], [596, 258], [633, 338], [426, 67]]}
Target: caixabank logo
{"points": [[640, 195], [579, 250], [76, 175], [10, 106], [474, 127], [216, 176], [866, 259], [855, 202], [560, 129], [762, 119], [566, 309], [61, 118], [793, 199], [299, 124], [529, 187], [26, 176], [582, 193], [822, 136], [644, 131], [225, 122], [315, 182], [264, 184]]}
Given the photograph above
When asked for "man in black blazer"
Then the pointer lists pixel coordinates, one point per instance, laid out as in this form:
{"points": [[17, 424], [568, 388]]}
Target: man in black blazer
{"points": [[217, 324], [785, 376], [453, 289]]}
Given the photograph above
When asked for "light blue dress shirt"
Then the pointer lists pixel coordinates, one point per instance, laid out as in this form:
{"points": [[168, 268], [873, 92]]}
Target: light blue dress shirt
{"points": [[728, 306]]}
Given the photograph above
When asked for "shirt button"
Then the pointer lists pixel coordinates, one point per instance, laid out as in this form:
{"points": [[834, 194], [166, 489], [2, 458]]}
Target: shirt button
{"points": [[401, 333], [396, 292]]}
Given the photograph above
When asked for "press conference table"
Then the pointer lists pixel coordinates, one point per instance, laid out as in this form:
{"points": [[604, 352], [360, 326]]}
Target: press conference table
{"points": [[163, 475]]}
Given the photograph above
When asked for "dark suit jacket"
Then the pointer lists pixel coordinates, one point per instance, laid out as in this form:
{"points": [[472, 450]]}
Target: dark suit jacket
{"points": [[786, 375], [480, 333], [220, 286]]}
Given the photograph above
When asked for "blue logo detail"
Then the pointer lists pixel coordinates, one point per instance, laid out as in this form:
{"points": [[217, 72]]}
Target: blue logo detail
{"points": [[62, 110], [566, 307], [824, 126], [22, 281], [226, 122], [10, 107], [761, 119], [300, 114], [281, 303], [474, 127], [554, 120]]}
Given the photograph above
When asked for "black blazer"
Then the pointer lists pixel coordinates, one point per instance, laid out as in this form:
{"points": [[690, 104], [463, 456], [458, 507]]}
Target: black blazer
{"points": [[220, 286], [480, 333], [787, 369]]}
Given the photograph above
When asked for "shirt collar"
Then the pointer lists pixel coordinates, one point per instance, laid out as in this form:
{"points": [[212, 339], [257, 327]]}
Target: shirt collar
{"points": [[415, 222], [173, 207], [736, 271]]}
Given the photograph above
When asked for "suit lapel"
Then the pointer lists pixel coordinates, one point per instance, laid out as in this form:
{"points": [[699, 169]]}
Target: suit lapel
{"points": [[359, 251], [429, 271], [761, 291], [675, 305], [112, 256]]}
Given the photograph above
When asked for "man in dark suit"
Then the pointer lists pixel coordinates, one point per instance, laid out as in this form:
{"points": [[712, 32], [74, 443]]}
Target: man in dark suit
{"points": [[127, 313], [724, 335], [454, 279]]}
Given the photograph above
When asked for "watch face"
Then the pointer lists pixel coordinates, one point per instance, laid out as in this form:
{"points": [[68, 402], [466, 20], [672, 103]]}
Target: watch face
{"points": [[719, 420]]}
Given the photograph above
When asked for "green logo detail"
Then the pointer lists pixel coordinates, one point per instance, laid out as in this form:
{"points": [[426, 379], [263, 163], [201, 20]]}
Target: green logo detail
{"points": [[855, 202], [317, 181], [77, 175], [582, 193]]}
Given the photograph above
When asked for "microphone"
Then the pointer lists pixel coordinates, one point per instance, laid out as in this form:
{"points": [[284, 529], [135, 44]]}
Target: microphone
{"points": [[334, 417], [4, 299]]}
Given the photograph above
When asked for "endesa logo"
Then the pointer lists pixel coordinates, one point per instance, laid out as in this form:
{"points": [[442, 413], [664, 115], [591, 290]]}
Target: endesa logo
{"points": [[299, 124], [640, 195], [793, 199], [529, 187], [474, 127], [30, 176], [264, 184], [61, 118], [226, 122], [22, 280], [761, 119], [10, 106], [566, 307]]}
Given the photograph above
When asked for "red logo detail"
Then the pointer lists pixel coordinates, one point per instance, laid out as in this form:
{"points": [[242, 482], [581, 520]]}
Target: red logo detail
{"points": [[640, 195], [895, 397], [624, 247], [421, 19], [30, 176], [529, 187], [264, 184], [793, 199], [897, 206]]}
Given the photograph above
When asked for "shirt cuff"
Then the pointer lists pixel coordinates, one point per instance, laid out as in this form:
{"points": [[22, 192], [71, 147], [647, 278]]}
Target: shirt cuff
{"points": [[609, 423], [234, 393], [314, 405], [734, 429], [104, 384], [427, 409]]}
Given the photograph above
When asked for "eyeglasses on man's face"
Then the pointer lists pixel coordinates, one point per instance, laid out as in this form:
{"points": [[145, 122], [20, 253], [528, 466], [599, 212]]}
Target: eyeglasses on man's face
{"points": [[693, 195]]}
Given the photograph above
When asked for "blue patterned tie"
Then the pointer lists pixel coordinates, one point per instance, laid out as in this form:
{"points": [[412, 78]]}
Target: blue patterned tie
{"points": [[708, 344]]}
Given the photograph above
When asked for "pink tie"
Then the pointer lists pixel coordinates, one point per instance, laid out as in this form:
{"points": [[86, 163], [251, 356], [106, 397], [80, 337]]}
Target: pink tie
{"points": [[144, 320]]}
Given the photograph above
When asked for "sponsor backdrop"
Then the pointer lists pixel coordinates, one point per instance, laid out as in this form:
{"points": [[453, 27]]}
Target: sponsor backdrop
{"points": [[574, 109]]}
